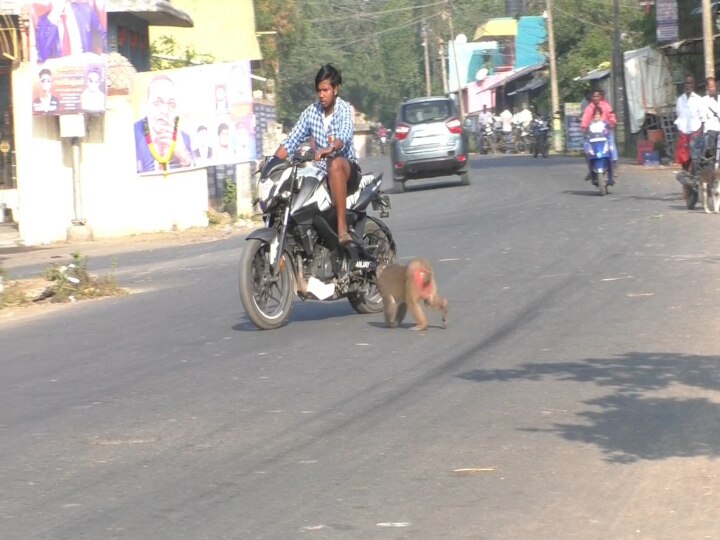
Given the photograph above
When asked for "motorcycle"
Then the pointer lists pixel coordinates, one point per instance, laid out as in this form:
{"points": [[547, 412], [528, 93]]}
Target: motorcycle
{"points": [[540, 129], [298, 250], [486, 141], [702, 159], [520, 137], [598, 151]]}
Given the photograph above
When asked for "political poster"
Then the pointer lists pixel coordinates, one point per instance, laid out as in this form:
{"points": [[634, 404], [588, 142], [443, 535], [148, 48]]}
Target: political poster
{"points": [[69, 48], [197, 116]]}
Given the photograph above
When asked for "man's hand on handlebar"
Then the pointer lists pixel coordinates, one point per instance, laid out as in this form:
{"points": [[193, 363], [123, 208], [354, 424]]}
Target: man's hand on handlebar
{"points": [[322, 153]]}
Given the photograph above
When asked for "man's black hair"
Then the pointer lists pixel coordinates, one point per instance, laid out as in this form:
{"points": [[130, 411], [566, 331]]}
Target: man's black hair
{"points": [[45, 71], [222, 127], [330, 73]]}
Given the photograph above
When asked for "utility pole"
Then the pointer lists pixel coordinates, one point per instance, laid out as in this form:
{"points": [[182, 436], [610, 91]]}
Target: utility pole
{"points": [[428, 86], [455, 58], [443, 71], [707, 22], [618, 81], [554, 92]]}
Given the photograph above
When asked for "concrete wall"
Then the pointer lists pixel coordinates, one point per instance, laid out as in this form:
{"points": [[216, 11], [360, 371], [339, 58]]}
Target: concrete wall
{"points": [[116, 201]]}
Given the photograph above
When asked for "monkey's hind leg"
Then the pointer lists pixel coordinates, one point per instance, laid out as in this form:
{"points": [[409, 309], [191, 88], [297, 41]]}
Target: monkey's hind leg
{"points": [[439, 303], [394, 312]]}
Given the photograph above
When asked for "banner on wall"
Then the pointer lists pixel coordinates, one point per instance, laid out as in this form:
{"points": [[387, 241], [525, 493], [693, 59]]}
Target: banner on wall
{"points": [[69, 45], [574, 136], [194, 117]]}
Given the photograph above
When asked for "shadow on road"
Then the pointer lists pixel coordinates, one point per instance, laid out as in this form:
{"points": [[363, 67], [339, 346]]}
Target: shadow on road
{"points": [[307, 311], [660, 405]]}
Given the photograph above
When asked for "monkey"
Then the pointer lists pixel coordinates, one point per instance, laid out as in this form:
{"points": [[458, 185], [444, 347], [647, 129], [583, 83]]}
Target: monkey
{"points": [[403, 287]]}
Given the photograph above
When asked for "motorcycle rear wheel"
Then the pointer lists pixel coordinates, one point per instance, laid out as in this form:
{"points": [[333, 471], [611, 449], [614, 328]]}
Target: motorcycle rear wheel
{"points": [[377, 244], [267, 299], [692, 197]]}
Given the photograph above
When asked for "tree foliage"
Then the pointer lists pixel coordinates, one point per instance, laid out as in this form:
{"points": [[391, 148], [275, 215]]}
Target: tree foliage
{"points": [[167, 54], [378, 44]]}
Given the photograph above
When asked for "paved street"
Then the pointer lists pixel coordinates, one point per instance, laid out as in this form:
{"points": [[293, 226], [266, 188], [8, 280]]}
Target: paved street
{"points": [[575, 393]]}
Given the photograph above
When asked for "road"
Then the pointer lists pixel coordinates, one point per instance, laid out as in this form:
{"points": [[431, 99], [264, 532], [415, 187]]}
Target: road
{"points": [[575, 393]]}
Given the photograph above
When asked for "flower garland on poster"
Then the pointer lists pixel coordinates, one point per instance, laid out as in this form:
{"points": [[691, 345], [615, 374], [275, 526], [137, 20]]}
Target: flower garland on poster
{"points": [[163, 161]]}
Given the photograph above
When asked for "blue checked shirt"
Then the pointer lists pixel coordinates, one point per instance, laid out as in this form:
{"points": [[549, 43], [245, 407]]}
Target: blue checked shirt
{"points": [[311, 124]]}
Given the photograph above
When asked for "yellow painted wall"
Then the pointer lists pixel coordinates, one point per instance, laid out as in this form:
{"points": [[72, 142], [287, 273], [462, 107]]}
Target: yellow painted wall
{"points": [[223, 28]]}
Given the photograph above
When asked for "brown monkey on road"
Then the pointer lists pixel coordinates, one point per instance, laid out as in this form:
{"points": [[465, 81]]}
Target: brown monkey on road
{"points": [[403, 287]]}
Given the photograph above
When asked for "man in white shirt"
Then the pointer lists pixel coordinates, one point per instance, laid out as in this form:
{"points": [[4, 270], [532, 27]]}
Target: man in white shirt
{"points": [[711, 119], [690, 111], [525, 116], [506, 118]]}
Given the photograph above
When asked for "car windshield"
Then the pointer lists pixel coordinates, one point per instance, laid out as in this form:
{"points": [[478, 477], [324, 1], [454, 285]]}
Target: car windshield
{"points": [[432, 111]]}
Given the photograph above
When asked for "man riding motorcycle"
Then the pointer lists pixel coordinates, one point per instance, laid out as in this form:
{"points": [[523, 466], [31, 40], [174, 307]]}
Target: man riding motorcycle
{"points": [[329, 124]]}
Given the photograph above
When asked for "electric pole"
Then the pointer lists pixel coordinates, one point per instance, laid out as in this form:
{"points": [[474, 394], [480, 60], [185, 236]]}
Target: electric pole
{"points": [[428, 86], [707, 23], [554, 92], [455, 58], [443, 71]]}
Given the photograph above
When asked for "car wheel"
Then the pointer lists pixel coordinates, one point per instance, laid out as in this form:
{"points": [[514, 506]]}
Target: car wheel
{"points": [[398, 186], [465, 178]]}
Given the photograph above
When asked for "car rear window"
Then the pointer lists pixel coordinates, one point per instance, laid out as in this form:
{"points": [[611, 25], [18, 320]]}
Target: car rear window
{"points": [[428, 111]]}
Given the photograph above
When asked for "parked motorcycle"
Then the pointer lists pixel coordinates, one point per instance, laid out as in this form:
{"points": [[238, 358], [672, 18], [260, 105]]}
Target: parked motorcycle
{"points": [[598, 151], [540, 129], [298, 251]]}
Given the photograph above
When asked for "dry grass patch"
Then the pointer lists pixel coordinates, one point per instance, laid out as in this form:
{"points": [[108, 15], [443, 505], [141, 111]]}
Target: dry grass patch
{"points": [[60, 284]]}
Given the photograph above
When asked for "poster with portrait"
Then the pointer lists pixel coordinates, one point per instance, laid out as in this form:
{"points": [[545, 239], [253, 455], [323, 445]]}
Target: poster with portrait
{"points": [[196, 116], [69, 47]]}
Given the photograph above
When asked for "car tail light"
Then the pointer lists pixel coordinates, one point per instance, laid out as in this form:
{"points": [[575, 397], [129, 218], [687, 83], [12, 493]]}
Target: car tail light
{"points": [[462, 158], [454, 125], [401, 131], [399, 164]]}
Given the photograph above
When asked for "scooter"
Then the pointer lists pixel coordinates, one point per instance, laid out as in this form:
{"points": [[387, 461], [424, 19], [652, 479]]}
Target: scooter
{"points": [[598, 151], [540, 130]]}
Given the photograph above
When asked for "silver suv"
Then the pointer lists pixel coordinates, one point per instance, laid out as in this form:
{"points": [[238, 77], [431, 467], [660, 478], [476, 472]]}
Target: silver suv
{"points": [[428, 141]]}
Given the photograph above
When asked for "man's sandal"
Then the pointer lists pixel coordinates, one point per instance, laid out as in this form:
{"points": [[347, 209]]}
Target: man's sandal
{"points": [[345, 240]]}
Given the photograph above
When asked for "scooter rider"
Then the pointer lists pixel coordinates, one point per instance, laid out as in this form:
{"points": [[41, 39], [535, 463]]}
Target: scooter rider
{"points": [[608, 116], [329, 122]]}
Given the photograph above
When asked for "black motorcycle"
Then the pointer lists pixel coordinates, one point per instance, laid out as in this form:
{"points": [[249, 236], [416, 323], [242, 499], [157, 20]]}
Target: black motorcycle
{"points": [[298, 250], [541, 141]]}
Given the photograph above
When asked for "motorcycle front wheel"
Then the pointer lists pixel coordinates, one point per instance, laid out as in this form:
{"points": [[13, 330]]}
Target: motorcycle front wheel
{"points": [[267, 299], [378, 244], [602, 183]]}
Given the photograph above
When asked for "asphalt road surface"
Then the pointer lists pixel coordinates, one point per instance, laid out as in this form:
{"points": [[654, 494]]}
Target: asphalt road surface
{"points": [[575, 393]]}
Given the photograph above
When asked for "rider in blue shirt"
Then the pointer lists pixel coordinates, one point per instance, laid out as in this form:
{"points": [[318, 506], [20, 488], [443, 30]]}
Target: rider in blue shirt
{"points": [[329, 124]]}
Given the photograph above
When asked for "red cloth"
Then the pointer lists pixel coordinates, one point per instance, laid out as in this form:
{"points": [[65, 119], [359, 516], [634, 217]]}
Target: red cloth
{"points": [[682, 150], [66, 48]]}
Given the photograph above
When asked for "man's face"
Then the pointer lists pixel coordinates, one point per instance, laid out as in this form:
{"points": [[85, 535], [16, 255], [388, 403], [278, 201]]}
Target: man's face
{"points": [[326, 93], [596, 97], [712, 88], [93, 81], [45, 82], [162, 105], [689, 85], [224, 138], [202, 138]]}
